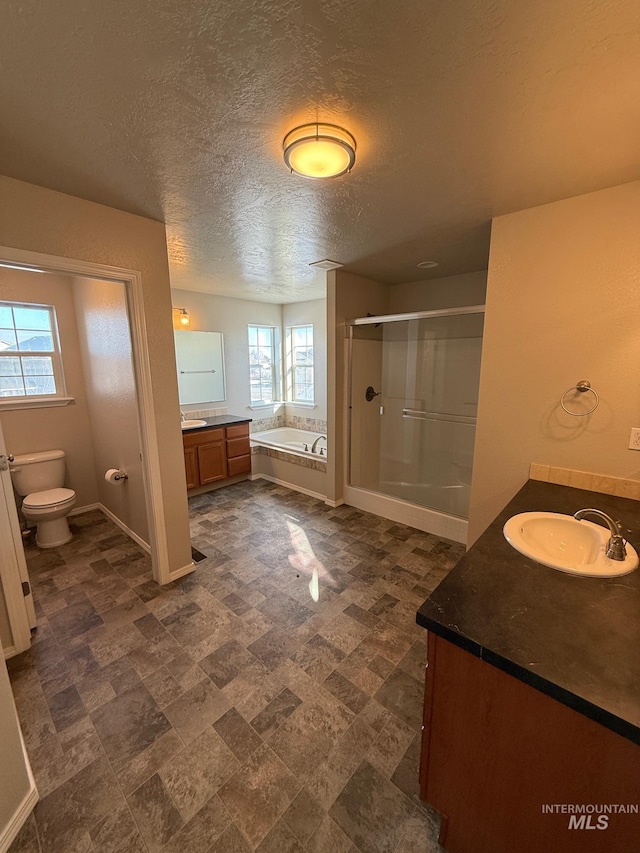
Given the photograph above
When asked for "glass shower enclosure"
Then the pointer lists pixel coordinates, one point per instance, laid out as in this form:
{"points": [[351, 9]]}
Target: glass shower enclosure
{"points": [[413, 396]]}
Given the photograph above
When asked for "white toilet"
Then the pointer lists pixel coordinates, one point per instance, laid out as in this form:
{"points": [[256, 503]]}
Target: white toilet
{"points": [[39, 479]]}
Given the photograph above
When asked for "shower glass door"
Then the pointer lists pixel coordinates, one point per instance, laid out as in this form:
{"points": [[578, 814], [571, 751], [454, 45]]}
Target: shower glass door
{"points": [[414, 439]]}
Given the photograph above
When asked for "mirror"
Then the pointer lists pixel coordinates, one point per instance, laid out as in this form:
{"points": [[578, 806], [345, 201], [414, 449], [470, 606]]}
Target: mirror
{"points": [[200, 363]]}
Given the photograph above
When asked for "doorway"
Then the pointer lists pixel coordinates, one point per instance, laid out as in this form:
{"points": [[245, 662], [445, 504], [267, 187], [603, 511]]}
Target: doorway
{"points": [[109, 298]]}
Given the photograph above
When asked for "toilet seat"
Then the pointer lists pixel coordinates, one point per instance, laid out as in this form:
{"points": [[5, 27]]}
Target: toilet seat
{"points": [[48, 498]]}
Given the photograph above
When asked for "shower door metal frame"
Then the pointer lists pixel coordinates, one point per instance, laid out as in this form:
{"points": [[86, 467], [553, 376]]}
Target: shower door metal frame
{"points": [[375, 320]]}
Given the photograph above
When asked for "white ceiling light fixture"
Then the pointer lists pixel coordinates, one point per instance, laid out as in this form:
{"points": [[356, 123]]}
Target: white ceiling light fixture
{"points": [[427, 265], [319, 150]]}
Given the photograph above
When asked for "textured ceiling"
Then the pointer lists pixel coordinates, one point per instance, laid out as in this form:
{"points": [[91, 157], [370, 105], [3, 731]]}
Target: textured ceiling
{"points": [[462, 110]]}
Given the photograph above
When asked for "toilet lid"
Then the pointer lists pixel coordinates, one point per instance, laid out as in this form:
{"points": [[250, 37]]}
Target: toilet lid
{"points": [[50, 497]]}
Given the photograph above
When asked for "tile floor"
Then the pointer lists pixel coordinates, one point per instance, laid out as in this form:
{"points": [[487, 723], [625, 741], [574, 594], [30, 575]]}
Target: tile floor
{"points": [[270, 701]]}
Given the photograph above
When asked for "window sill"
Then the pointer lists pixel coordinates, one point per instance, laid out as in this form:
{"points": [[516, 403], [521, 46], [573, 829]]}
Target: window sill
{"points": [[9, 405], [301, 405], [258, 406]]}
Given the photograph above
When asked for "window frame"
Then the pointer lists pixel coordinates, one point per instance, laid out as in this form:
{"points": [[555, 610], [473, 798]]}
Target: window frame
{"points": [[275, 364], [291, 367], [59, 397]]}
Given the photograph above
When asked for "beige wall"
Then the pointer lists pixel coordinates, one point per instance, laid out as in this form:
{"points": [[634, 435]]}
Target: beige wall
{"points": [[15, 782], [40, 220], [563, 304], [312, 313], [105, 345], [211, 313], [455, 291], [65, 427]]}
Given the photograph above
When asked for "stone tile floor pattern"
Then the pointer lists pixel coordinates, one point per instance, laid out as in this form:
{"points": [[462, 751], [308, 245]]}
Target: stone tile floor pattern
{"points": [[270, 701]]}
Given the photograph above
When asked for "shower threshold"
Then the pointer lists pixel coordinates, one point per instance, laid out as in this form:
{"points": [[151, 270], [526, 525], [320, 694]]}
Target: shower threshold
{"points": [[430, 520]]}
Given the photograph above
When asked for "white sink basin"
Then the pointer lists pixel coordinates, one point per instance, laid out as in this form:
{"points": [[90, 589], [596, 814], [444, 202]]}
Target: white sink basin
{"points": [[192, 424], [561, 542]]}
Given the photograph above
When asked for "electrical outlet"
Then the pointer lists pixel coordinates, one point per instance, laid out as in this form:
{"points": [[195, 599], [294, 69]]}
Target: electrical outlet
{"points": [[634, 439]]}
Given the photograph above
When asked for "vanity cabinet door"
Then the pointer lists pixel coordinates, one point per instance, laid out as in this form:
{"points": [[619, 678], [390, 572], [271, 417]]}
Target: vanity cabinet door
{"points": [[239, 465], [238, 447], [212, 462], [237, 431], [191, 467]]}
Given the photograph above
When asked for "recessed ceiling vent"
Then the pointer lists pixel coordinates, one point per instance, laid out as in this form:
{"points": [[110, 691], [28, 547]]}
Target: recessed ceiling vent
{"points": [[326, 264]]}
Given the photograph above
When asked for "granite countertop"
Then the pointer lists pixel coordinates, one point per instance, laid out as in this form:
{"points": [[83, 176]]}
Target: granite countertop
{"points": [[219, 421], [577, 639]]}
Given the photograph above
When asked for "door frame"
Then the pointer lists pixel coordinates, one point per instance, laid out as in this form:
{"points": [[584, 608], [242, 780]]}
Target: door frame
{"points": [[132, 281], [11, 570]]}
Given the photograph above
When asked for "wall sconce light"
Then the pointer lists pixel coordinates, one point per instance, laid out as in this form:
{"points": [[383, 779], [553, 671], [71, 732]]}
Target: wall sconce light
{"points": [[181, 319], [319, 150]]}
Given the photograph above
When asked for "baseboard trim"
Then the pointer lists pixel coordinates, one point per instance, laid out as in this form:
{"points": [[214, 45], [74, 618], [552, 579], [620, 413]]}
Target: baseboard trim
{"points": [[221, 484], [185, 570], [137, 539], [87, 508], [287, 485], [334, 504], [19, 817], [10, 652]]}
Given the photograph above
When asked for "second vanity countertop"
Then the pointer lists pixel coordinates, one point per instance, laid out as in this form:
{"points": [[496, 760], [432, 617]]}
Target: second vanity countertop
{"points": [[219, 421], [577, 639]]}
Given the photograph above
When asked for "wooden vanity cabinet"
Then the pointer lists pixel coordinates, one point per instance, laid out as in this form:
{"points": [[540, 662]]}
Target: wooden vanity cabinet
{"points": [[495, 751], [214, 454]]}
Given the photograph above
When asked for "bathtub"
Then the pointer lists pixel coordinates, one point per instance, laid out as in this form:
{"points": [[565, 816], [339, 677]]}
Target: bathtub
{"points": [[291, 440]]}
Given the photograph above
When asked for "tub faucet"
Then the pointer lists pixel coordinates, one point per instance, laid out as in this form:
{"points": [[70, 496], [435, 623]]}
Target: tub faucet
{"points": [[615, 545], [313, 446]]}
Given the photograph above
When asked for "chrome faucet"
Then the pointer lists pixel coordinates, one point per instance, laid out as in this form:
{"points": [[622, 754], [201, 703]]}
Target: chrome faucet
{"points": [[313, 446], [183, 417], [615, 545]]}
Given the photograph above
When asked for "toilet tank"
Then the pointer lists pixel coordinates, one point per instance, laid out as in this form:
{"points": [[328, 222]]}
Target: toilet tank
{"points": [[36, 472]]}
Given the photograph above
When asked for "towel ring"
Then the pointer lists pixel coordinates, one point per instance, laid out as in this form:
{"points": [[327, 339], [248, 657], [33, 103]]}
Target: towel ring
{"points": [[582, 387]]}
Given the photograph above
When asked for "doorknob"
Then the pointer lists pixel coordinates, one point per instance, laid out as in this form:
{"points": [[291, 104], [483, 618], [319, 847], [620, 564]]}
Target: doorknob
{"points": [[4, 461]]}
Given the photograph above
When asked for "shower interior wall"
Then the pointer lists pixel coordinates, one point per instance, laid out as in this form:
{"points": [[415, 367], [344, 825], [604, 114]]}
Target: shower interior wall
{"points": [[348, 297], [426, 365], [366, 423], [440, 374]]}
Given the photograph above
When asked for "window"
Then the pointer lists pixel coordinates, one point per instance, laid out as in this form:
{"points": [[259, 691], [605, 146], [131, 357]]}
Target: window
{"points": [[30, 364], [300, 364], [263, 365]]}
